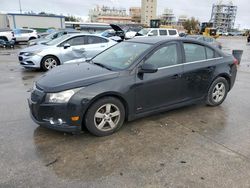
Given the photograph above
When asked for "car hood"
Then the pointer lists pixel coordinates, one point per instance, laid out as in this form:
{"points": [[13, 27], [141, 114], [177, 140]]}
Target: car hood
{"points": [[73, 76], [35, 48], [116, 27]]}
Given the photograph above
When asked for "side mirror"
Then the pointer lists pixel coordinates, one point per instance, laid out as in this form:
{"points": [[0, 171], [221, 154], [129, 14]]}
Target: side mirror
{"points": [[151, 34], [148, 68], [67, 45]]}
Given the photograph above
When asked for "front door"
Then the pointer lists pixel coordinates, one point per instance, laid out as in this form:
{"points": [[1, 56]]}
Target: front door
{"points": [[163, 88], [76, 50]]}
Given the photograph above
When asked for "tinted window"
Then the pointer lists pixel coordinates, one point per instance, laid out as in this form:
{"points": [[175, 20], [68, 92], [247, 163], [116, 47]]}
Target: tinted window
{"points": [[75, 41], [154, 32], [163, 32], [164, 56], [95, 40], [194, 52], [172, 32], [25, 31], [210, 53]]}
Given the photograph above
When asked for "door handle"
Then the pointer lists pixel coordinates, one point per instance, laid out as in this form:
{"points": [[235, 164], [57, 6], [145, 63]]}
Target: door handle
{"points": [[176, 76], [102, 46]]}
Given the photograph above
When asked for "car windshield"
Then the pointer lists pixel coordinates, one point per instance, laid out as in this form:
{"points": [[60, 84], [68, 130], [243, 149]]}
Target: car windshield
{"points": [[56, 41], [52, 35], [121, 56], [144, 31]]}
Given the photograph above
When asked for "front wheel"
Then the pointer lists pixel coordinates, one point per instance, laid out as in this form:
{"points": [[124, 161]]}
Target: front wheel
{"points": [[217, 92], [49, 62], [105, 116]]}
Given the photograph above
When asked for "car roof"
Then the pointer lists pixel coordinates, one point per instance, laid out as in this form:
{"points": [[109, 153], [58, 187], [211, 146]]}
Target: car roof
{"points": [[162, 39], [84, 34]]}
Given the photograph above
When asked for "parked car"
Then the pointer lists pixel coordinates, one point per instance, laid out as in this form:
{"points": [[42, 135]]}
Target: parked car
{"points": [[130, 80], [7, 35], [67, 47], [209, 40], [9, 44], [24, 35], [52, 36], [148, 32]]}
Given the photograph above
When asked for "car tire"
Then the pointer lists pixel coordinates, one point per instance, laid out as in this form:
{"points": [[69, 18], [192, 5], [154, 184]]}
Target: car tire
{"points": [[217, 92], [105, 116], [49, 62]]}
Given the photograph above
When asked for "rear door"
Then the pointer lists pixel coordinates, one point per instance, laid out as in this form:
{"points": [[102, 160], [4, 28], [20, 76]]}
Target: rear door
{"points": [[199, 66], [163, 88]]}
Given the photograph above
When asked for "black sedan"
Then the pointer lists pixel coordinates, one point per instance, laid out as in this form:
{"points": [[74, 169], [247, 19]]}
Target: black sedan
{"points": [[131, 80]]}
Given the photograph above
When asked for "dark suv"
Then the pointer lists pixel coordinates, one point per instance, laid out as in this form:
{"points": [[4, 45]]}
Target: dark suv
{"points": [[131, 80]]}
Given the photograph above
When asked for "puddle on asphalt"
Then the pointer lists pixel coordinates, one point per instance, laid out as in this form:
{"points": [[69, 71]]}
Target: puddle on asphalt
{"points": [[28, 77]]}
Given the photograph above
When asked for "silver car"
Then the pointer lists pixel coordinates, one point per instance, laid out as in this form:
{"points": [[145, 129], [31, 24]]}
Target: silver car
{"points": [[65, 48]]}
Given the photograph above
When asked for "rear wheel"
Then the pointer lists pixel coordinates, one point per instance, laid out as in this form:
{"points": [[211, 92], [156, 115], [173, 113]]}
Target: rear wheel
{"points": [[105, 116], [217, 92], [49, 62]]}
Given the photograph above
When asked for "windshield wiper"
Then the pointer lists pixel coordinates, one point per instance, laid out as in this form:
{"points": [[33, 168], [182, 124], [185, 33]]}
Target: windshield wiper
{"points": [[101, 65]]}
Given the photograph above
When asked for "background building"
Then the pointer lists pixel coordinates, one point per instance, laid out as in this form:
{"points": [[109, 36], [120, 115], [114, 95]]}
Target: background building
{"points": [[135, 14], [148, 11], [223, 16], [168, 18], [109, 15], [181, 20], [35, 21]]}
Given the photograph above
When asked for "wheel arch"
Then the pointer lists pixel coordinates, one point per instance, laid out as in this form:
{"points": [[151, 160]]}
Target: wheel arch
{"points": [[50, 55], [108, 94], [227, 77]]}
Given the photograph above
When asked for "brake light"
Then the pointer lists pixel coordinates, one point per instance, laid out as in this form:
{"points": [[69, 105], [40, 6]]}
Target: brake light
{"points": [[236, 62]]}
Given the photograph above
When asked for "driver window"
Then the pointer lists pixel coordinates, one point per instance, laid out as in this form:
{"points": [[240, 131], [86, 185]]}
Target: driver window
{"points": [[165, 56], [76, 41]]}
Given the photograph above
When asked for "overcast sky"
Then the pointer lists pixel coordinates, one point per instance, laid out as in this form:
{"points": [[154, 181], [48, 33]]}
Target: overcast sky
{"points": [[200, 9]]}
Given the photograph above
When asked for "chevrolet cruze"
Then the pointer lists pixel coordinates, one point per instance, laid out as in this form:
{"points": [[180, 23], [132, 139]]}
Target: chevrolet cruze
{"points": [[130, 80]]}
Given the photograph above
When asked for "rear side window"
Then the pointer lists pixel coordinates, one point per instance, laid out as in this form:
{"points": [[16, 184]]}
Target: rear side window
{"points": [[163, 32], [210, 53], [172, 32], [194, 52], [26, 31], [95, 40]]}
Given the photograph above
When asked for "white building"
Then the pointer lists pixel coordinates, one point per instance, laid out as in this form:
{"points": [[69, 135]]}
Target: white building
{"points": [[148, 11], [39, 22]]}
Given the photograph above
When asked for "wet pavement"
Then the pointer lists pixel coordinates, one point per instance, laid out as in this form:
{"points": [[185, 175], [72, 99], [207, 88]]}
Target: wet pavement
{"points": [[195, 146]]}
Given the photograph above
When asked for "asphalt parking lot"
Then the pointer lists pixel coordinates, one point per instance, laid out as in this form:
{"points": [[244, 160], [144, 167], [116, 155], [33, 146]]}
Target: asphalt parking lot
{"points": [[195, 146]]}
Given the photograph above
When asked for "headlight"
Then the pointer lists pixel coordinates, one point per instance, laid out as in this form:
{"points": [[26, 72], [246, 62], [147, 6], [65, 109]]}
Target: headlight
{"points": [[31, 53], [61, 97]]}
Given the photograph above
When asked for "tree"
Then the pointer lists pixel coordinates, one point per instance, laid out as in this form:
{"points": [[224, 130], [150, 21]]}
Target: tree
{"points": [[71, 18], [191, 25]]}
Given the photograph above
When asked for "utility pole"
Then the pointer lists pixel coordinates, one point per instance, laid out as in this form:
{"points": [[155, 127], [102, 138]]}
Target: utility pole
{"points": [[20, 7]]}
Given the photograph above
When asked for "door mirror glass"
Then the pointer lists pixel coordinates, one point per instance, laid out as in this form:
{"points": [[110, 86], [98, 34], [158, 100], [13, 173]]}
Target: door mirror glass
{"points": [[67, 45], [148, 68]]}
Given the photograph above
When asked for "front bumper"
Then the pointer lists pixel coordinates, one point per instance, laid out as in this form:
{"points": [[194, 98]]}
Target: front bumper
{"points": [[56, 117], [30, 61]]}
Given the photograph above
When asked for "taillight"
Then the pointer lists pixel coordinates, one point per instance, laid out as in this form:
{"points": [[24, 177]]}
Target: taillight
{"points": [[236, 62]]}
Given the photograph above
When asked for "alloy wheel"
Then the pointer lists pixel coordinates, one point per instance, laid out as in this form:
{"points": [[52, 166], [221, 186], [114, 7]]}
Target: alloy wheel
{"points": [[50, 63], [107, 117], [219, 92]]}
